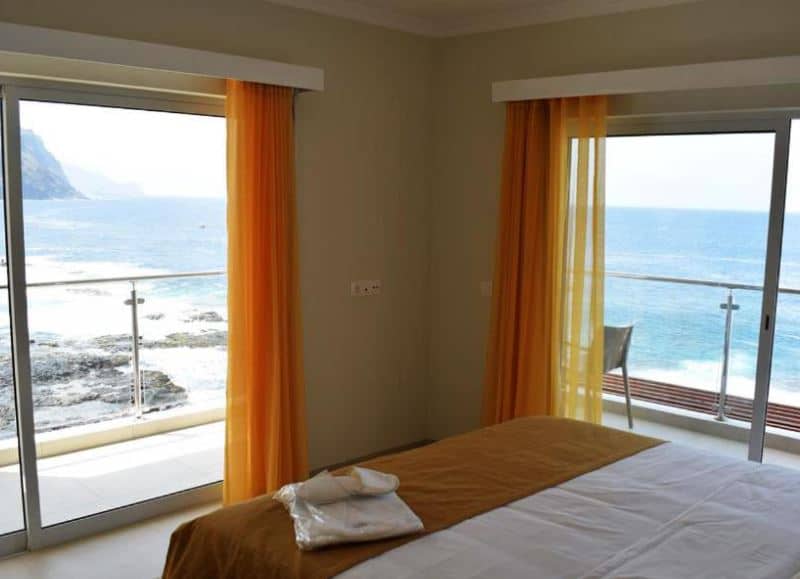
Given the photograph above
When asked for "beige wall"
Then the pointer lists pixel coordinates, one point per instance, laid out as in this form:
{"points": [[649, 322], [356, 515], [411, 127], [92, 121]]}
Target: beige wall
{"points": [[398, 175], [468, 140], [363, 168]]}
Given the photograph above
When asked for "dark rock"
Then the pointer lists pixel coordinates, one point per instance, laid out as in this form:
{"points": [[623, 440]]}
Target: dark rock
{"points": [[160, 391], [204, 339], [48, 365], [205, 317], [113, 342], [69, 377], [69, 373], [120, 359], [89, 291], [7, 417]]}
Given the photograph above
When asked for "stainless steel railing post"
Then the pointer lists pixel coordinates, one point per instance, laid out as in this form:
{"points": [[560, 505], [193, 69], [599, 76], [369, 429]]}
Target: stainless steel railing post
{"points": [[729, 308], [138, 398]]}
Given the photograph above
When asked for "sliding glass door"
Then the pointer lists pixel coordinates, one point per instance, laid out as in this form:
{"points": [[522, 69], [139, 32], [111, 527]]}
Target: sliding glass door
{"points": [[702, 260], [116, 205], [686, 249], [124, 235], [782, 440], [12, 519]]}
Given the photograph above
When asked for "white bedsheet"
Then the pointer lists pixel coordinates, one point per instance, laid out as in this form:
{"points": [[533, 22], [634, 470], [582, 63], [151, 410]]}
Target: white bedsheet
{"points": [[670, 511]]}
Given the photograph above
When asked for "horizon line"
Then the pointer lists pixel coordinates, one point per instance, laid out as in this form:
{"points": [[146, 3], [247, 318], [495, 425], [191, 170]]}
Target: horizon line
{"points": [[717, 209]]}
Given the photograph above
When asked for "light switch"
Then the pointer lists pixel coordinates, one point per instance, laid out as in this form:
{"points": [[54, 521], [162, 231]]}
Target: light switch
{"points": [[486, 289], [365, 287]]}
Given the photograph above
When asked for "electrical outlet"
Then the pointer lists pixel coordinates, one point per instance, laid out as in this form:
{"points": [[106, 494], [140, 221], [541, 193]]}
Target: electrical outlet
{"points": [[365, 287]]}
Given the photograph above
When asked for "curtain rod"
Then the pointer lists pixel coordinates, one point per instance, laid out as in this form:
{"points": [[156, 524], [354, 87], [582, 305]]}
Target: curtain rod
{"points": [[710, 75], [104, 51]]}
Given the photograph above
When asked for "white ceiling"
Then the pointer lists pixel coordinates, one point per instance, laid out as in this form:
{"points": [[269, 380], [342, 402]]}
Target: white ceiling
{"points": [[440, 10], [454, 17]]}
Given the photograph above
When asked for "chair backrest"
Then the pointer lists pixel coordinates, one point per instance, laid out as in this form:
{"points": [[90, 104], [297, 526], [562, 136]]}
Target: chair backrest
{"points": [[617, 340]]}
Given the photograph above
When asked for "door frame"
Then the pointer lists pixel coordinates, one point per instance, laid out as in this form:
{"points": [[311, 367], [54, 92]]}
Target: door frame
{"points": [[13, 90], [777, 122], [772, 273]]}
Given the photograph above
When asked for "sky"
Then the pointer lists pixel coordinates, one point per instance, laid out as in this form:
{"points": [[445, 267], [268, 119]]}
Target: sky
{"points": [[722, 172], [166, 154], [169, 154]]}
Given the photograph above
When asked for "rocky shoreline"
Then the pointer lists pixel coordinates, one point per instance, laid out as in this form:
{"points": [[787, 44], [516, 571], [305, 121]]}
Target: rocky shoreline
{"points": [[67, 373]]}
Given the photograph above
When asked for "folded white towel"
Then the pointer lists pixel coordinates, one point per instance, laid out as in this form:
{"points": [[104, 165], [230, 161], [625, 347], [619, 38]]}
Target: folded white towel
{"points": [[360, 506], [326, 488]]}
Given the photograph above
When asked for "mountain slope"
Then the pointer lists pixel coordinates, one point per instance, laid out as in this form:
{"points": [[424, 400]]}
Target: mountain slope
{"points": [[96, 186], [43, 176]]}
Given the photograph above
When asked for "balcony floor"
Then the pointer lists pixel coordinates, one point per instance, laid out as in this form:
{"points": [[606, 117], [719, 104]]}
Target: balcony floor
{"points": [[709, 442], [89, 481]]}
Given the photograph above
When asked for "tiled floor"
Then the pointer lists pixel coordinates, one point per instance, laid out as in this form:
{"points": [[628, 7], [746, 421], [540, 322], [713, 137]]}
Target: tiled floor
{"points": [[90, 481], [134, 552], [699, 440]]}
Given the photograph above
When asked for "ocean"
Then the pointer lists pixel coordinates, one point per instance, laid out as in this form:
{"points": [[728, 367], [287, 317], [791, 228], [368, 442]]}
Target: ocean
{"points": [[679, 329], [81, 334]]}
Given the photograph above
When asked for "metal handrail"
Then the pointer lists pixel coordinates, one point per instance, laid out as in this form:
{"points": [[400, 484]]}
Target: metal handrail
{"points": [[729, 306], [700, 282], [133, 302], [129, 278], [616, 274]]}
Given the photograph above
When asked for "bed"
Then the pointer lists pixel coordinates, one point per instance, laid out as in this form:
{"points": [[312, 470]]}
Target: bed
{"points": [[534, 497]]}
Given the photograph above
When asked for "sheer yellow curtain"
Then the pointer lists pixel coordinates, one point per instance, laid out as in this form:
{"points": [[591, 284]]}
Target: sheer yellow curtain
{"points": [[545, 347], [265, 445]]}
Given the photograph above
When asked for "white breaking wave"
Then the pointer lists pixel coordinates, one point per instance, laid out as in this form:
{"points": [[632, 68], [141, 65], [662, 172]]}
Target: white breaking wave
{"points": [[707, 375]]}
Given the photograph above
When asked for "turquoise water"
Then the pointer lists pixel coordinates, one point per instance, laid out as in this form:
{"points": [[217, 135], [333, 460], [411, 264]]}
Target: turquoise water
{"points": [[678, 335], [175, 234], [678, 329], [98, 239], [86, 239], [76, 331]]}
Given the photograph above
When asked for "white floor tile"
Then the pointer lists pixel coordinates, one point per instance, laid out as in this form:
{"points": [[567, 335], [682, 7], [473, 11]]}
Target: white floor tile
{"points": [[95, 480], [135, 552], [707, 442], [82, 483]]}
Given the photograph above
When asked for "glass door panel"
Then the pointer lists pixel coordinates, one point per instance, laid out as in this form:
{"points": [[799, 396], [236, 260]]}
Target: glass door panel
{"points": [[81, 380], [11, 513], [686, 233], [184, 331], [119, 206], [782, 441]]}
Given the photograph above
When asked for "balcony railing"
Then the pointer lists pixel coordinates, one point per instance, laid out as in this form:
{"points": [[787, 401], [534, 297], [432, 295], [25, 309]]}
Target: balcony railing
{"points": [[719, 403], [132, 346]]}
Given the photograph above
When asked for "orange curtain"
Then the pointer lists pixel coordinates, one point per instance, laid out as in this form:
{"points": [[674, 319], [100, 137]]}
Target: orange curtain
{"points": [[265, 444], [546, 338]]}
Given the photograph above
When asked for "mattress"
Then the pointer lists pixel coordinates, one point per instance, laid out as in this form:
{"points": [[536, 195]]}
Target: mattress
{"points": [[666, 512], [444, 483]]}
